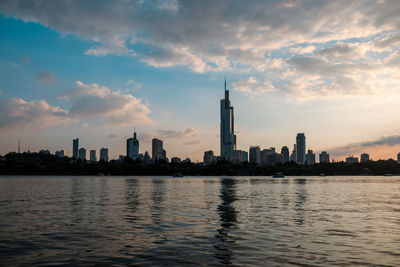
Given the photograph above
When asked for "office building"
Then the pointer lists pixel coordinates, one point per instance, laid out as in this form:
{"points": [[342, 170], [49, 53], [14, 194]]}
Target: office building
{"points": [[75, 148], [293, 155], [300, 148], [158, 153], [209, 157], [310, 157], [364, 157], [351, 159], [227, 136], [285, 154], [132, 147], [82, 153], [60, 153], [93, 155], [266, 156], [104, 154], [175, 160], [324, 157], [255, 155], [239, 156]]}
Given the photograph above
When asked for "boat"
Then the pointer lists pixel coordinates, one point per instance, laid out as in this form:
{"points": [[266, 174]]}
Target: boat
{"points": [[177, 175], [278, 175], [322, 174]]}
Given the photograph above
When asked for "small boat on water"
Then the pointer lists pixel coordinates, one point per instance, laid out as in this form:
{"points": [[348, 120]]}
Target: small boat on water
{"points": [[278, 175], [177, 175]]}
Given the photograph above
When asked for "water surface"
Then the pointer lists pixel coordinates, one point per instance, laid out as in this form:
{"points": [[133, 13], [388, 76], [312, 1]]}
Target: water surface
{"points": [[199, 221]]}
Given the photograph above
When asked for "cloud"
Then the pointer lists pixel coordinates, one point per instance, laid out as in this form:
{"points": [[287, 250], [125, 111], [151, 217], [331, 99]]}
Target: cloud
{"points": [[193, 142], [171, 134], [45, 77], [391, 140], [189, 136], [258, 37], [93, 100], [16, 113], [253, 86], [24, 59]]}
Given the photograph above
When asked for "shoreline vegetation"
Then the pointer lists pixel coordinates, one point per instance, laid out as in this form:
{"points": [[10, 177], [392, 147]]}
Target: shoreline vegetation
{"points": [[43, 164]]}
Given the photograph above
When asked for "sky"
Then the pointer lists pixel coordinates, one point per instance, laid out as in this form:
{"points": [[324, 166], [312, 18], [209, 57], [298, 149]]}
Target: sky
{"points": [[98, 70]]}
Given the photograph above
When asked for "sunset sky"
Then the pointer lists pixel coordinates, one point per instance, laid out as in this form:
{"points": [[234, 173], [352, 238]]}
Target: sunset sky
{"points": [[99, 69]]}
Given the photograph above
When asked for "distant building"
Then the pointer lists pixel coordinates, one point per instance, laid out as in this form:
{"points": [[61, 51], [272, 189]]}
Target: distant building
{"points": [[301, 148], [187, 160], [44, 152], [398, 157], [93, 155], [310, 157], [293, 154], [104, 154], [255, 155], [227, 130], [324, 157], [75, 148], [240, 156], [364, 157], [60, 153], [209, 157], [175, 160], [146, 157], [158, 153], [285, 154], [266, 156], [132, 147], [82, 153], [351, 159]]}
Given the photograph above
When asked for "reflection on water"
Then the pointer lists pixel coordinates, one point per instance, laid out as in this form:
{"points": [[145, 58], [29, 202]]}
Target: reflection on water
{"points": [[228, 218], [202, 221]]}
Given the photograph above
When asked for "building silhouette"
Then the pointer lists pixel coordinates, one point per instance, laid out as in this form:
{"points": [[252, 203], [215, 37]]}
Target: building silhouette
{"points": [[93, 155], [75, 148], [209, 157], [351, 159], [132, 147], [300, 148], [285, 154], [398, 157], [240, 156], [104, 154], [82, 153], [364, 157], [324, 157], [293, 154], [227, 136], [158, 153], [310, 157], [60, 153], [255, 155]]}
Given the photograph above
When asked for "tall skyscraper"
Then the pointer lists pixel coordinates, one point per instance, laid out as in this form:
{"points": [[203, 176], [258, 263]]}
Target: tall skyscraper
{"points": [[227, 136], [301, 148], [104, 154], [132, 147], [158, 153], [93, 155], [324, 157], [310, 157], [255, 155], [285, 154], [75, 148], [82, 153]]}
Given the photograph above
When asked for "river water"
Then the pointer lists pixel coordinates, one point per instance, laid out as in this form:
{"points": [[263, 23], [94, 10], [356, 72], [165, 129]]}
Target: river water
{"points": [[199, 221]]}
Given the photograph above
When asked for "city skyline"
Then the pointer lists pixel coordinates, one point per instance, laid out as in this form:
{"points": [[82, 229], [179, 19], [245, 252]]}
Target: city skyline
{"points": [[332, 76]]}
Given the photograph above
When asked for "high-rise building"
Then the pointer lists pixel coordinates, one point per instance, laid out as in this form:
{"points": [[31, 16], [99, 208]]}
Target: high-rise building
{"points": [[255, 155], [398, 157], [293, 154], [60, 153], [300, 148], [75, 148], [310, 157], [209, 157], [132, 147], [351, 159], [82, 153], [285, 154], [239, 156], [93, 155], [227, 130], [323, 157], [364, 157], [266, 158], [158, 153], [104, 154]]}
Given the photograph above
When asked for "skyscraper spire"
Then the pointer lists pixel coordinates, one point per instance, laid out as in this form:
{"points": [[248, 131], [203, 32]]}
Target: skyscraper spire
{"points": [[225, 83], [19, 146]]}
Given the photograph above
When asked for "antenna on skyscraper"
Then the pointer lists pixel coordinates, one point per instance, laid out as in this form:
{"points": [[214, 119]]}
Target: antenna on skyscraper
{"points": [[225, 83], [19, 146]]}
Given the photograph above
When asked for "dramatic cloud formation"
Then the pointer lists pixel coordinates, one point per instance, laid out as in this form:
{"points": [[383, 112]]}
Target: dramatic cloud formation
{"points": [[45, 77], [391, 140], [16, 113], [92, 100], [308, 48]]}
